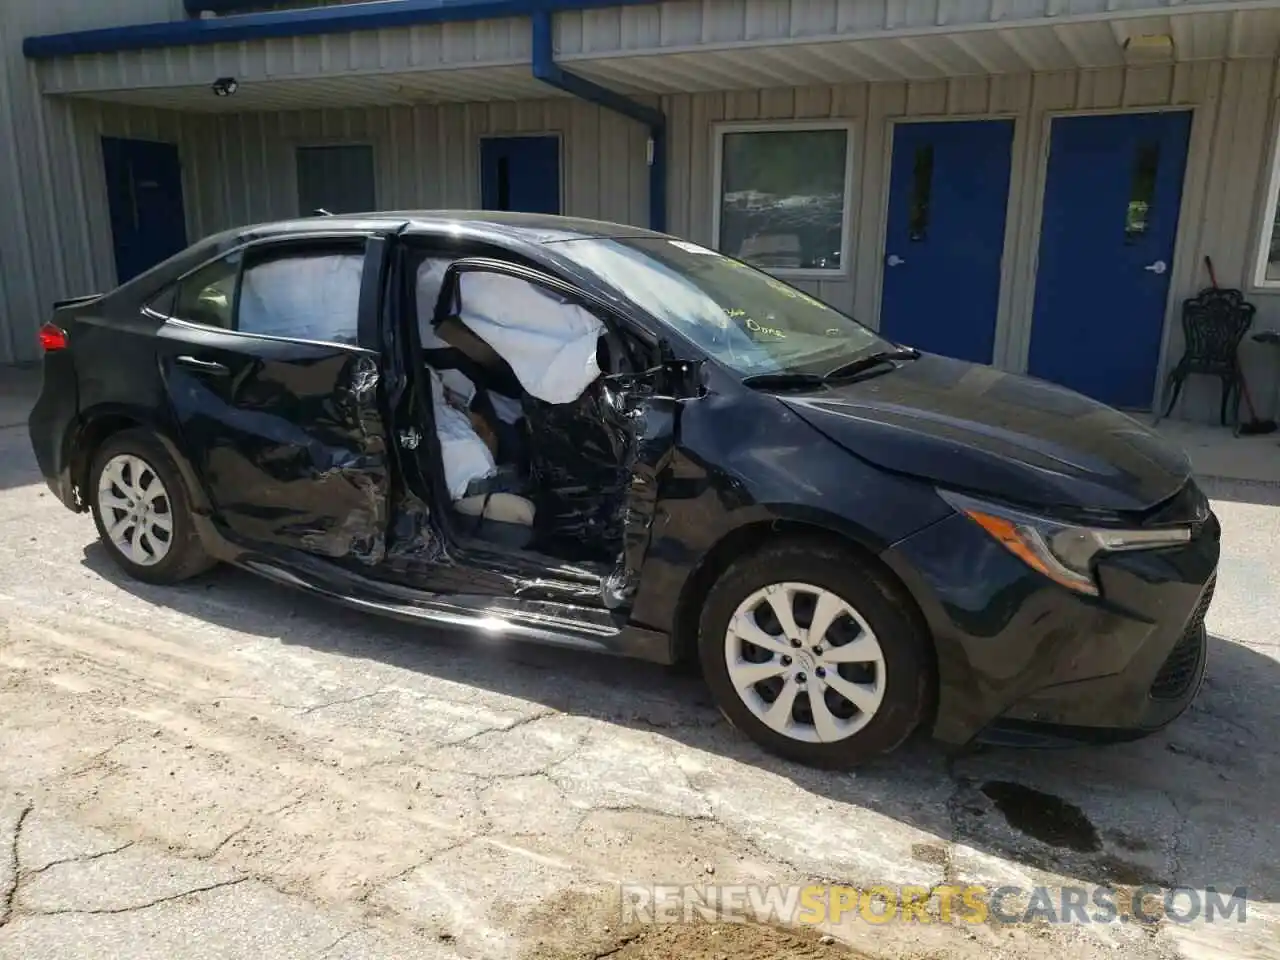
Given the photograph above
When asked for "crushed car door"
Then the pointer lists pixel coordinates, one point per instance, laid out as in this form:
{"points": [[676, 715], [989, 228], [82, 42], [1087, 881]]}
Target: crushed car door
{"points": [[268, 356], [618, 421]]}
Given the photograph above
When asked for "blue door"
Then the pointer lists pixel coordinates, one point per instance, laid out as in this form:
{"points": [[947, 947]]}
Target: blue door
{"points": [[520, 173], [945, 236], [144, 197], [1110, 220]]}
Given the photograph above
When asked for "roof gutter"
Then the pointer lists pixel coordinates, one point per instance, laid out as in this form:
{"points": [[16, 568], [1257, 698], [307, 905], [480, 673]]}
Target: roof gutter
{"points": [[310, 21], [548, 71]]}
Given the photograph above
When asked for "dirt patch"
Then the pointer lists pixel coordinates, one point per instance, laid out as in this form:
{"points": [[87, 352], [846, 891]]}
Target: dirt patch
{"points": [[577, 926], [730, 941], [715, 941]]}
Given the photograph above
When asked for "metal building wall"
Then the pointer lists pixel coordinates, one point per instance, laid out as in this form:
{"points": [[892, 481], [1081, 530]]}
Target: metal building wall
{"points": [[37, 261], [1224, 192], [241, 167]]}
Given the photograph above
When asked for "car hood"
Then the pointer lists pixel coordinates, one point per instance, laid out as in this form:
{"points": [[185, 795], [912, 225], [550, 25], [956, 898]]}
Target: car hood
{"points": [[1014, 438]]}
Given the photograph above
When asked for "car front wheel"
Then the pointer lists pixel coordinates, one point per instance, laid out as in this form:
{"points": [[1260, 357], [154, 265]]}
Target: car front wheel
{"points": [[142, 510], [814, 655]]}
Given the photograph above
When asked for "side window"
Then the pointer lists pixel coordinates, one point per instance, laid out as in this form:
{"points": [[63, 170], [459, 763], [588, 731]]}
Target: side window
{"points": [[303, 294], [208, 296]]}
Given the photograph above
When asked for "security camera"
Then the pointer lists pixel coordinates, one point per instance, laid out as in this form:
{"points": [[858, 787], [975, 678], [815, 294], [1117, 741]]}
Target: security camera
{"points": [[225, 86]]}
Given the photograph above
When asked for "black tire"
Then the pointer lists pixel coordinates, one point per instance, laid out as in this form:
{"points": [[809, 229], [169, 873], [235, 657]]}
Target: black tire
{"points": [[186, 555], [908, 674]]}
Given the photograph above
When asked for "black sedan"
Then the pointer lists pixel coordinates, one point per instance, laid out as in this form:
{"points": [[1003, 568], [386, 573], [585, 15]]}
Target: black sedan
{"points": [[597, 436]]}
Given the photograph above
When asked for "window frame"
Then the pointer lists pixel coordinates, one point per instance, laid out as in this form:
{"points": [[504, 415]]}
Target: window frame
{"points": [[1270, 215], [849, 128], [267, 246]]}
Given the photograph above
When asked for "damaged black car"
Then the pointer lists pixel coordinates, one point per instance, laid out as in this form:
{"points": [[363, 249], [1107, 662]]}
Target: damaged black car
{"points": [[596, 436]]}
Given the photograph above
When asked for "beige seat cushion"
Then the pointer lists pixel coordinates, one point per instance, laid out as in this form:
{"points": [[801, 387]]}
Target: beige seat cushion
{"points": [[502, 507]]}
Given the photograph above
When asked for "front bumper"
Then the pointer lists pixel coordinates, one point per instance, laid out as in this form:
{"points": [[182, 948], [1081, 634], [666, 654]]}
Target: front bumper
{"points": [[1022, 660]]}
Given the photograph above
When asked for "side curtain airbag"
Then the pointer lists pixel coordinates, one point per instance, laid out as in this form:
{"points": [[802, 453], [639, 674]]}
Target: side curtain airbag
{"points": [[550, 344]]}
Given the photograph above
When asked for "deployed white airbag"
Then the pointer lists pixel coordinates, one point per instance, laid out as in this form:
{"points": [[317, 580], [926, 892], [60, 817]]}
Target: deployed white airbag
{"points": [[550, 344], [311, 298], [466, 457]]}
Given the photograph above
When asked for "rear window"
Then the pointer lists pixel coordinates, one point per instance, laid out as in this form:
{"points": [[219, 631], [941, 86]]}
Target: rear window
{"points": [[208, 296], [303, 295]]}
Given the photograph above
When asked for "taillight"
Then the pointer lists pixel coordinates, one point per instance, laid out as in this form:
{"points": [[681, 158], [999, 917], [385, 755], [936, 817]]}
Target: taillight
{"points": [[53, 337]]}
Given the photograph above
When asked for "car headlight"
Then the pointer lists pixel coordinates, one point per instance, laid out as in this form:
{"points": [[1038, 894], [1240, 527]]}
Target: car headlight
{"points": [[1062, 552]]}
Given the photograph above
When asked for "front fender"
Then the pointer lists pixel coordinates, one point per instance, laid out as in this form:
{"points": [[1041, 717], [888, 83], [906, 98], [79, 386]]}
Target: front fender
{"points": [[745, 462]]}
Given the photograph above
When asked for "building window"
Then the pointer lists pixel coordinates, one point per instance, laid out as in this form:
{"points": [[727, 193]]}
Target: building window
{"points": [[337, 179], [783, 196]]}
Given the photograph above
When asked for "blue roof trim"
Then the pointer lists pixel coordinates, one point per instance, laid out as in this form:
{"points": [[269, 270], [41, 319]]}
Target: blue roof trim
{"points": [[378, 15]]}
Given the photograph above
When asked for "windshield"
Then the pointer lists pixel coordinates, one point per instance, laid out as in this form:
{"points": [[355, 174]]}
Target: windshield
{"points": [[751, 322]]}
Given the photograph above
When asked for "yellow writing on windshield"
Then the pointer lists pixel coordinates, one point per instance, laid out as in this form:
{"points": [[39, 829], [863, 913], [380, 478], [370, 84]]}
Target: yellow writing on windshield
{"points": [[754, 326]]}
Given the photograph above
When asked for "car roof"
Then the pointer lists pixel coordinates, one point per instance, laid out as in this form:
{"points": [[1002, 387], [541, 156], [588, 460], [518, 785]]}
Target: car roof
{"points": [[533, 227], [480, 225]]}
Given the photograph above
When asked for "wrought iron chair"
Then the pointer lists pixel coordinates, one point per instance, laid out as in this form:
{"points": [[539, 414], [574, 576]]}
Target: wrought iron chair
{"points": [[1214, 322]]}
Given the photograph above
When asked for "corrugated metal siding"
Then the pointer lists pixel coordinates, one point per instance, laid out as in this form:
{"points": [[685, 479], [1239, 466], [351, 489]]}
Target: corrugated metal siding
{"points": [[688, 24], [431, 47], [38, 261], [240, 168], [693, 45]]}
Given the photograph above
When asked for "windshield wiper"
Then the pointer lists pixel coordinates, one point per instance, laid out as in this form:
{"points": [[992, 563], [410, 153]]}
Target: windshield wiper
{"points": [[782, 380], [854, 367]]}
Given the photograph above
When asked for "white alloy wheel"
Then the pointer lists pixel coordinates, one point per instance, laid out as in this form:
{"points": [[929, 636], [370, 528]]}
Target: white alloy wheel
{"points": [[805, 662], [136, 509]]}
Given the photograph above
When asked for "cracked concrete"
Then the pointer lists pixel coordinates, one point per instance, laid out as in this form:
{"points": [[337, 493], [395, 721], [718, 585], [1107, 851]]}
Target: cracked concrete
{"points": [[226, 770]]}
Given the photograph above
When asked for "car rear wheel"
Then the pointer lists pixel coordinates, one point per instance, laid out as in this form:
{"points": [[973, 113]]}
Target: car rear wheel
{"points": [[812, 653], [142, 510]]}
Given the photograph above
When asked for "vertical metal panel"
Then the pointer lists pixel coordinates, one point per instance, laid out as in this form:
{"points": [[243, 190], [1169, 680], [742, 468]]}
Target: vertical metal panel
{"points": [[53, 241], [425, 156]]}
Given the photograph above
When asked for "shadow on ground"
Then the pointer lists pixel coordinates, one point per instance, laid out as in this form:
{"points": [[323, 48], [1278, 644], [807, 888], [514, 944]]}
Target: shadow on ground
{"points": [[1191, 806], [17, 465], [1260, 492]]}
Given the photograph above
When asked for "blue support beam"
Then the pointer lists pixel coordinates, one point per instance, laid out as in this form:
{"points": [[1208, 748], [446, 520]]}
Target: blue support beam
{"points": [[548, 71], [310, 21]]}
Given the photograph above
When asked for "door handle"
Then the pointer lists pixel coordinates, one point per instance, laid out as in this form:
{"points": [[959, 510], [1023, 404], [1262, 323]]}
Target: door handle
{"points": [[894, 260], [204, 366], [1158, 267]]}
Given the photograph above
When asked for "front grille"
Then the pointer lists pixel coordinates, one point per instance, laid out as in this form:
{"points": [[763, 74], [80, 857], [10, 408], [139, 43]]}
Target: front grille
{"points": [[1179, 669]]}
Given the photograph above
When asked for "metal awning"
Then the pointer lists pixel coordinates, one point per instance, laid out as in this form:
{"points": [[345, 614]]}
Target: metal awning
{"points": [[287, 61]]}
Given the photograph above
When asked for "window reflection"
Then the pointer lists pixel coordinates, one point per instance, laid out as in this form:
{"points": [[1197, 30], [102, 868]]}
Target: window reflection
{"points": [[783, 198]]}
